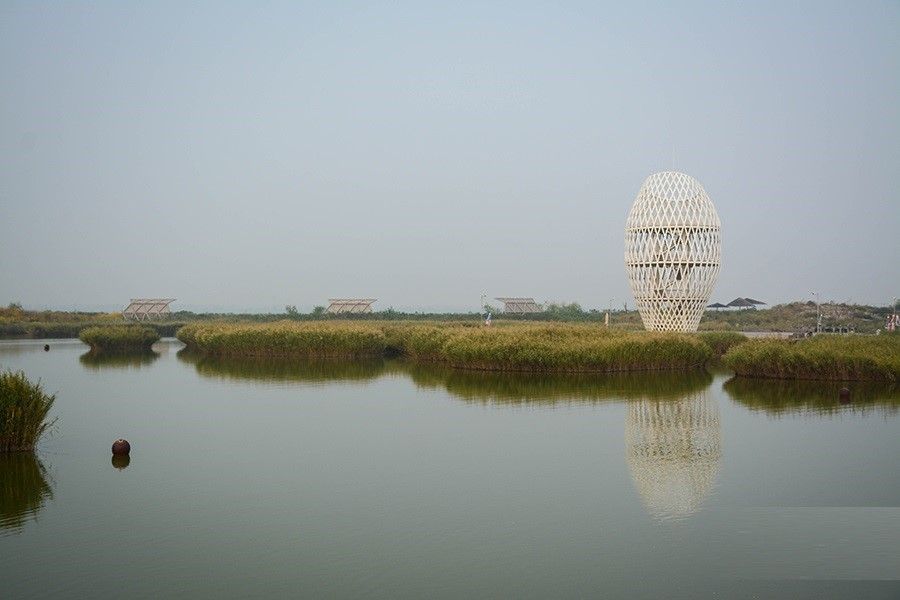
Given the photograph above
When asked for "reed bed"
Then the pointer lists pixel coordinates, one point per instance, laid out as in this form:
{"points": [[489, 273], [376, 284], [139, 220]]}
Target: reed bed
{"points": [[23, 412], [119, 337], [512, 347], [573, 348], [839, 358], [326, 340], [721, 342], [62, 330]]}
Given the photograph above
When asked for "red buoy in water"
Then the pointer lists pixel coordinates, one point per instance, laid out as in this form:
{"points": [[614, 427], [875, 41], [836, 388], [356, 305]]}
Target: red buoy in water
{"points": [[121, 447]]}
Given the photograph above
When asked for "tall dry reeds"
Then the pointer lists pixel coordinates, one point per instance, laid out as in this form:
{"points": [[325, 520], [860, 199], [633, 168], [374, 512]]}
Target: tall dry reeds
{"points": [[23, 412]]}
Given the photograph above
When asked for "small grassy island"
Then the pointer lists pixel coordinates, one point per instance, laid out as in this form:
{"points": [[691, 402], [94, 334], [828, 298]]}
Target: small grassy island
{"points": [[23, 412], [840, 358], [117, 338], [508, 347]]}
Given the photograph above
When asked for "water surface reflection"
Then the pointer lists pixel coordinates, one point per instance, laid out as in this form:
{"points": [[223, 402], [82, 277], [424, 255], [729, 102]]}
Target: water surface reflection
{"points": [[283, 368], [24, 487], [503, 388], [779, 397], [486, 387], [673, 449], [118, 360]]}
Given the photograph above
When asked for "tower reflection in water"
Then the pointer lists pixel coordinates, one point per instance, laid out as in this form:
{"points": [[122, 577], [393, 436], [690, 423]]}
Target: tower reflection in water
{"points": [[673, 449], [23, 490]]}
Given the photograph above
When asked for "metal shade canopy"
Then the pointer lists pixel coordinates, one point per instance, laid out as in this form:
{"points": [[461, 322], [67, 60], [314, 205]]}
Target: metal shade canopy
{"points": [[146, 309], [338, 306], [520, 305]]}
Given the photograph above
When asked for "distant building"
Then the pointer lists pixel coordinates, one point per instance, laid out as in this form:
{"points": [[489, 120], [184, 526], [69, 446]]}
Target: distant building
{"points": [[342, 306], [147, 309], [520, 306]]}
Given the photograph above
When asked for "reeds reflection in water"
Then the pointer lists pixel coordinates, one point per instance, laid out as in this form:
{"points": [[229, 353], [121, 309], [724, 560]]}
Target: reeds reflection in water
{"points": [[24, 488], [98, 360], [504, 388], [487, 387], [782, 397], [283, 368]]}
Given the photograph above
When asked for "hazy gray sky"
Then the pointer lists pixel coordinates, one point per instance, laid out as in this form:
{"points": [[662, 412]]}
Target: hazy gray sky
{"points": [[248, 156]]}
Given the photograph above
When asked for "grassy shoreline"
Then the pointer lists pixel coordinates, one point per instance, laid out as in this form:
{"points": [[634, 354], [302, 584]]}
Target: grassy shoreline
{"points": [[510, 347], [117, 338], [69, 330], [23, 412], [837, 358]]}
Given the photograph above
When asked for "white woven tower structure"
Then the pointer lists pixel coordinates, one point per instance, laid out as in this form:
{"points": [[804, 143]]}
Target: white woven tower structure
{"points": [[672, 247]]}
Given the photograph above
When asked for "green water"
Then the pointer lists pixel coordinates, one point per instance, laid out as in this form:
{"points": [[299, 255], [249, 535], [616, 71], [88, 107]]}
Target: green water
{"points": [[262, 478]]}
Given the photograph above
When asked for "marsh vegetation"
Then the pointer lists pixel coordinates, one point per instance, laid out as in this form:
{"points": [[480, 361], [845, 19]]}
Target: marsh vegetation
{"points": [[841, 358], [117, 338], [509, 347], [24, 407]]}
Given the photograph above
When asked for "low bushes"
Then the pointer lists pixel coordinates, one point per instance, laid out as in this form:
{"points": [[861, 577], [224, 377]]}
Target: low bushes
{"points": [[848, 358], [119, 337], [23, 412]]}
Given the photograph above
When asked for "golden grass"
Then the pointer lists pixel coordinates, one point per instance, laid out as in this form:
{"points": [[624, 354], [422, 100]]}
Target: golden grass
{"points": [[119, 337], [23, 412], [841, 358], [512, 347]]}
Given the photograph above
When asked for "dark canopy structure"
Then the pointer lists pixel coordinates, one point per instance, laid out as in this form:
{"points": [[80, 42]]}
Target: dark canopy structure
{"points": [[744, 303], [716, 305]]}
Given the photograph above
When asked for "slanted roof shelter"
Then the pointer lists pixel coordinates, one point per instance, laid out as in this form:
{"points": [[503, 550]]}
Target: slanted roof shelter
{"points": [[339, 306], [520, 306], [752, 301], [146, 309], [716, 305], [740, 303]]}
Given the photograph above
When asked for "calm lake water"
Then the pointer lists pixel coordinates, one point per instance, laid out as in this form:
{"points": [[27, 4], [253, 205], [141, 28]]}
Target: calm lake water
{"points": [[379, 479]]}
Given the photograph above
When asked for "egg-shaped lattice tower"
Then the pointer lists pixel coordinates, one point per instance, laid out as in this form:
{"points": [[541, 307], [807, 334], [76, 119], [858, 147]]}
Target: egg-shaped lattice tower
{"points": [[672, 247]]}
